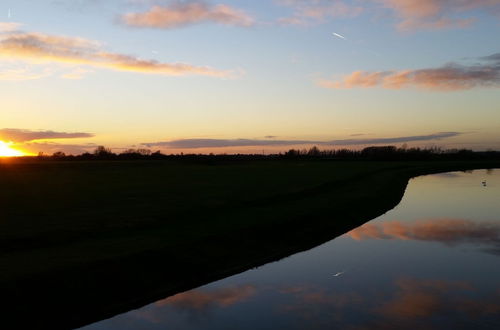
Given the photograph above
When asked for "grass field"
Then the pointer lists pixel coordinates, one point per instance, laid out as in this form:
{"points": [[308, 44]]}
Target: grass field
{"points": [[81, 241]]}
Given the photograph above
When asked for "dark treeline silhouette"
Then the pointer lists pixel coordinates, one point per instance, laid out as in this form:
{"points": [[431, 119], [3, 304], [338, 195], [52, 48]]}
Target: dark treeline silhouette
{"points": [[369, 153], [393, 153]]}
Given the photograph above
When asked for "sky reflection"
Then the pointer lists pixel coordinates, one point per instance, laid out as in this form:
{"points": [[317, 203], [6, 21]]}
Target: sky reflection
{"points": [[430, 263], [447, 231]]}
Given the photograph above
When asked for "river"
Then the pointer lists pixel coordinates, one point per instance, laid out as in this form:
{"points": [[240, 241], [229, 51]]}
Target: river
{"points": [[433, 262]]}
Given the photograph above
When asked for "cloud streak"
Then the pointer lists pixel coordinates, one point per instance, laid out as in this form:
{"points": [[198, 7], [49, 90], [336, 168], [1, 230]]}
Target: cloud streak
{"points": [[24, 135], [221, 143], [179, 14], [43, 48], [450, 77]]}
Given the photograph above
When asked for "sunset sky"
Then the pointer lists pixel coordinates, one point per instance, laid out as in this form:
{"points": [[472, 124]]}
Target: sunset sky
{"points": [[248, 76]]}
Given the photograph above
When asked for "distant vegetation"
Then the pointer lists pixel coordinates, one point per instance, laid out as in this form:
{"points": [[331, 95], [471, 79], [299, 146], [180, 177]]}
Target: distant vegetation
{"points": [[369, 153]]}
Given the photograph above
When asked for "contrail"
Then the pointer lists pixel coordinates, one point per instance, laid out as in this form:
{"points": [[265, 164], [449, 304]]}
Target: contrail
{"points": [[339, 36]]}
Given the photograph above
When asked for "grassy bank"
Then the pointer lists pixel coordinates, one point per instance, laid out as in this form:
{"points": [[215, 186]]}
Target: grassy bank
{"points": [[82, 241]]}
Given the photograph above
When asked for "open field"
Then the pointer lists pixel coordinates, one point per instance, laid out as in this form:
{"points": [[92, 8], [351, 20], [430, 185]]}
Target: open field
{"points": [[81, 241]]}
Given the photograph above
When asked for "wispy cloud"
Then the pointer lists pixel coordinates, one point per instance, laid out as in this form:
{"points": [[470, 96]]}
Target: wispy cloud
{"points": [[221, 143], [450, 77], [38, 48], [9, 26], [24, 135], [436, 14], [23, 73], [410, 15], [310, 12], [178, 14]]}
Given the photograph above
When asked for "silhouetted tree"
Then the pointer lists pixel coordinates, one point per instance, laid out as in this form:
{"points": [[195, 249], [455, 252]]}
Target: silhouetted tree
{"points": [[292, 153], [314, 152], [58, 154], [103, 152], [144, 152]]}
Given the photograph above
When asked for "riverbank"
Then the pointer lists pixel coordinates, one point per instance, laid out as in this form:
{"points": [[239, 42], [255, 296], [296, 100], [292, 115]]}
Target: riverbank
{"points": [[85, 241]]}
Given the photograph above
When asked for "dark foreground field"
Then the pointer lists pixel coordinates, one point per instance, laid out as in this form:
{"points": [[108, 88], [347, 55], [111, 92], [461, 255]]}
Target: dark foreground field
{"points": [[82, 241]]}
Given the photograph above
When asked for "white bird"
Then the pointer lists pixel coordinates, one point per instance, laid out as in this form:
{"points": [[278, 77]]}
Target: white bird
{"points": [[338, 274], [339, 36]]}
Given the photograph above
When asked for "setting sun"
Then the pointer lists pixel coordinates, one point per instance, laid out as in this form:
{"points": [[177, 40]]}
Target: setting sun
{"points": [[7, 151]]}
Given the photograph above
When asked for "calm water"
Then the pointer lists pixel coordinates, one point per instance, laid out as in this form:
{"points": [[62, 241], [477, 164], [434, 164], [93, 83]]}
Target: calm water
{"points": [[433, 262]]}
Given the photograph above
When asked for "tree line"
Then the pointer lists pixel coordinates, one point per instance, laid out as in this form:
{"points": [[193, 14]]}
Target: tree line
{"points": [[368, 153]]}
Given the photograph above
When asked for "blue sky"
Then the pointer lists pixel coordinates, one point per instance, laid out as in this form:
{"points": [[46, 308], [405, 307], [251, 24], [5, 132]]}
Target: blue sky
{"points": [[252, 69]]}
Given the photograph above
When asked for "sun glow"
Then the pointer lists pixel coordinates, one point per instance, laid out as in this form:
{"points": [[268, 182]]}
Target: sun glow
{"points": [[7, 151]]}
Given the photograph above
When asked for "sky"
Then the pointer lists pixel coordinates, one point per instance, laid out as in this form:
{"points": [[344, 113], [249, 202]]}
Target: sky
{"points": [[248, 76]]}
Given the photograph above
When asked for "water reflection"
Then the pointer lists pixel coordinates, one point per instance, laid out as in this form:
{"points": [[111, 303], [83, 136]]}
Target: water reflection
{"points": [[446, 231], [196, 304], [431, 263], [409, 304], [201, 300]]}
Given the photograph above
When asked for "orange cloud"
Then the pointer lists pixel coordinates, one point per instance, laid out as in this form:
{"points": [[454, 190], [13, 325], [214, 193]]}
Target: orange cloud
{"points": [[201, 300], [40, 48], [451, 77], [436, 14], [180, 14]]}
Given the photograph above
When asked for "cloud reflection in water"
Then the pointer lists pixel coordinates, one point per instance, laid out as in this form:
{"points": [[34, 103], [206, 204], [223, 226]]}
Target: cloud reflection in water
{"points": [[447, 231]]}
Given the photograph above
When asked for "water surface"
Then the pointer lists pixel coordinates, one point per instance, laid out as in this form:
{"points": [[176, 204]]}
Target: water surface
{"points": [[433, 262]]}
